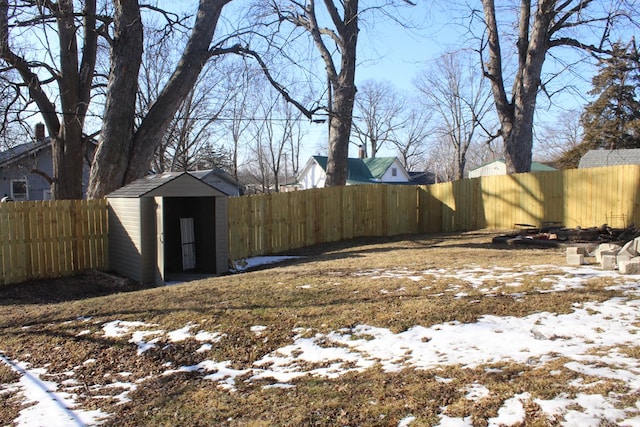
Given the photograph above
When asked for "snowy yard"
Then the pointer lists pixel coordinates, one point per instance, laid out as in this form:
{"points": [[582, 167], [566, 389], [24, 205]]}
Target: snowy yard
{"points": [[587, 351]]}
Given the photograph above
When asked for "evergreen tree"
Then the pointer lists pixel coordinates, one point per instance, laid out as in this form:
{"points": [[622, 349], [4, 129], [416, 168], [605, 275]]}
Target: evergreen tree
{"points": [[612, 121]]}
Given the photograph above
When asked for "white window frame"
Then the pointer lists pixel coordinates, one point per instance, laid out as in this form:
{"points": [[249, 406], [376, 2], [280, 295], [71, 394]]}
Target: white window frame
{"points": [[14, 196]]}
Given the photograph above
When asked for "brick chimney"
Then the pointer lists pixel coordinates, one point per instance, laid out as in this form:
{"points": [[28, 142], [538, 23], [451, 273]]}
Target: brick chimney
{"points": [[361, 151], [39, 130]]}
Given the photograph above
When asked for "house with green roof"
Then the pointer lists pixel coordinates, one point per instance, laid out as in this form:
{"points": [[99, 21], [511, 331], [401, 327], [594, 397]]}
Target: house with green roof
{"points": [[374, 170]]}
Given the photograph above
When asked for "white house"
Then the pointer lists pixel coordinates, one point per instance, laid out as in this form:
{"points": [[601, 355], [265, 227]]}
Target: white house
{"points": [[375, 170], [499, 167]]}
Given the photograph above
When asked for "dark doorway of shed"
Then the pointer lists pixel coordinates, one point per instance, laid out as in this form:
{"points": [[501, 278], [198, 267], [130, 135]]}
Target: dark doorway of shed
{"points": [[202, 211]]}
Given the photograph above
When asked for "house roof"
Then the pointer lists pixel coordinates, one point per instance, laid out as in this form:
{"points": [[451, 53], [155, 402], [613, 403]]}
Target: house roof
{"points": [[217, 172], [362, 170], [535, 166], [172, 184], [422, 178], [15, 153], [596, 158]]}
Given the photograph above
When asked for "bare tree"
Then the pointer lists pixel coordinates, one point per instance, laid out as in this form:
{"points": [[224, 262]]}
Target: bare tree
{"points": [[193, 129], [60, 76], [559, 136], [378, 114], [276, 134], [240, 119], [457, 94], [70, 70], [542, 25], [341, 38], [333, 26], [410, 140]]}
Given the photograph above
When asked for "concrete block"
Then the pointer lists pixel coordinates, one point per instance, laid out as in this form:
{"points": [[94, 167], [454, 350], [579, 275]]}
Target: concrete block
{"points": [[631, 266], [628, 248], [605, 247], [609, 261], [576, 250], [575, 259]]}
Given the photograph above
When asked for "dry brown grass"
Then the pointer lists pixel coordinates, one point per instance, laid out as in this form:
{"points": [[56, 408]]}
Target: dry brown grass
{"points": [[336, 286]]}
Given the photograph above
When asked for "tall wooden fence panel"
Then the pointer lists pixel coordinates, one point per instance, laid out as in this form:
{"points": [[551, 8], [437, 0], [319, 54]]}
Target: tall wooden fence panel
{"points": [[51, 238], [577, 197], [273, 223]]}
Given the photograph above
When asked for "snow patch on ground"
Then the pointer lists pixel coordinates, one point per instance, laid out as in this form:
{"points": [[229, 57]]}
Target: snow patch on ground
{"points": [[536, 339]]}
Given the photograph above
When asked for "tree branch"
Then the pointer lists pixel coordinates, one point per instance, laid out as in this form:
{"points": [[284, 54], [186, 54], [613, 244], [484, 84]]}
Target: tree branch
{"points": [[237, 49]]}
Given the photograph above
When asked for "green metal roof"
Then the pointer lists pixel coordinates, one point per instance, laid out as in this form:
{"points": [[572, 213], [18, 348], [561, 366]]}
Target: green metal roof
{"points": [[361, 170], [378, 165]]}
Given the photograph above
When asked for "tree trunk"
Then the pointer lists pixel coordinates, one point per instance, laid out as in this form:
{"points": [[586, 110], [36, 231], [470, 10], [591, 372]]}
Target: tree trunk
{"points": [[344, 94], [111, 157], [339, 133], [74, 79]]}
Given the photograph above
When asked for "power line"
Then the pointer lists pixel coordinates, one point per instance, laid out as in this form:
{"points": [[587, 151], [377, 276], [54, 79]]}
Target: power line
{"points": [[214, 118]]}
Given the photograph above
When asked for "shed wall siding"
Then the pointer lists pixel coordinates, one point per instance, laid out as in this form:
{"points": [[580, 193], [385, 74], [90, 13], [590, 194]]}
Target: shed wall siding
{"points": [[148, 239], [125, 243]]}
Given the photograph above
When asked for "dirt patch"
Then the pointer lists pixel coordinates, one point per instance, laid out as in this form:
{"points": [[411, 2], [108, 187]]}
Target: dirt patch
{"points": [[89, 284]]}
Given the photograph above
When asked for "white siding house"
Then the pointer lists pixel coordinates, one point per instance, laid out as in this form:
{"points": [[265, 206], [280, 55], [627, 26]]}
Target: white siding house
{"points": [[375, 170]]}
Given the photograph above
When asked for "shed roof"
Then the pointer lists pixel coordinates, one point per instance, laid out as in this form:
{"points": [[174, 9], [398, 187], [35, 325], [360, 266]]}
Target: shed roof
{"points": [[597, 158], [168, 184]]}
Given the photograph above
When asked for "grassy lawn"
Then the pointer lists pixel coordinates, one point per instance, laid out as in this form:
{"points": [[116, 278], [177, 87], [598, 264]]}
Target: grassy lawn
{"points": [[423, 330]]}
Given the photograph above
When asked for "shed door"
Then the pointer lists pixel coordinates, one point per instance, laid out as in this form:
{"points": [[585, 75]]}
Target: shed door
{"points": [[188, 244], [160, 240]]}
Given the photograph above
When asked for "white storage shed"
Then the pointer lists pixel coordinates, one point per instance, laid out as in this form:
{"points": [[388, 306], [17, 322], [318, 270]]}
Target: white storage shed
{"points": [[166, 224]]}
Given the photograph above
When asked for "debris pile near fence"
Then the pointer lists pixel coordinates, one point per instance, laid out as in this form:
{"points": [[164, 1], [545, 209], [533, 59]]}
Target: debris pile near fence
{"points": [[557, 235]]}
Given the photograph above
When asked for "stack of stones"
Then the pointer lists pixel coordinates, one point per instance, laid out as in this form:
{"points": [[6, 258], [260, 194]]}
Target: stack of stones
{"points": [[625, 259]]}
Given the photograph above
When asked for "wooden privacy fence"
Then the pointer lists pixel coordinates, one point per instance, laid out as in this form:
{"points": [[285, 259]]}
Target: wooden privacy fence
{"points": [[51, 239], [273, 223]]}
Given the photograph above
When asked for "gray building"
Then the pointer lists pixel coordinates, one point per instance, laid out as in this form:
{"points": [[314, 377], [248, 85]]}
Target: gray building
{"points": [[598, 158], [164, 225], [23, 169]]}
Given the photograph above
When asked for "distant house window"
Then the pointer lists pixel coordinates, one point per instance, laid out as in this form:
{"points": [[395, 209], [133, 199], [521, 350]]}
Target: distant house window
{"points": [[394, 171], [19, 189], [46, 195]]}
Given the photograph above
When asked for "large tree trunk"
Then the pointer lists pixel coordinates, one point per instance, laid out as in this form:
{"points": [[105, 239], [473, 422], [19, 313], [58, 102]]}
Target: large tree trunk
{"points": [[344, 94], [339, 133], [112, 155], [138, 151]]}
